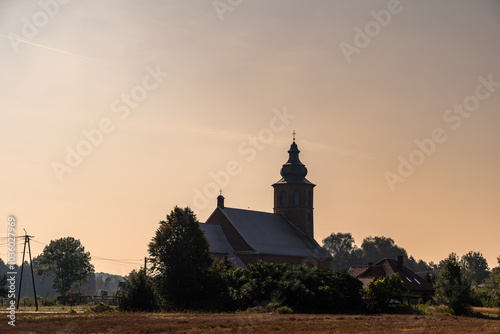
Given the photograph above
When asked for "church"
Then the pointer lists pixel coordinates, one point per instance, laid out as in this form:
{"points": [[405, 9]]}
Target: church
{"points": [[284, 236]]}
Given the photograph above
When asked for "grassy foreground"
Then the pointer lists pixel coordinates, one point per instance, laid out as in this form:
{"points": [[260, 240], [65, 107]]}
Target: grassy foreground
{"points": [[116, 322]]}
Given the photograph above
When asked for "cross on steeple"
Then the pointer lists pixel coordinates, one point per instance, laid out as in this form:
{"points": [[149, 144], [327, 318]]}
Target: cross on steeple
{"points": [[220, 192], [294, 133]]}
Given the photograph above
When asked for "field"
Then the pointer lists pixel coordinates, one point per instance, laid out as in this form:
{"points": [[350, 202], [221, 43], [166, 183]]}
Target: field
{"points": [[115, 322]]}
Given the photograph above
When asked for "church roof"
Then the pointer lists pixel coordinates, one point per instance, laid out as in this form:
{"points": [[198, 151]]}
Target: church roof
{"points": [[270, 233], [219, 244]]}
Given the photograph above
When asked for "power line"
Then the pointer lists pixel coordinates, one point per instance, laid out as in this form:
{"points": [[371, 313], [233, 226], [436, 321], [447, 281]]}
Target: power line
{"points": [[98, 258]]}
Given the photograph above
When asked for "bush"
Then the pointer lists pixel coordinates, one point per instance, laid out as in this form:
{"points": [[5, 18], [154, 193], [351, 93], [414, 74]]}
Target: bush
{"points": [[301, 288], [284, 310], [27, 301], [101, 307], [49, 301], [139, 293], [382, 291]]}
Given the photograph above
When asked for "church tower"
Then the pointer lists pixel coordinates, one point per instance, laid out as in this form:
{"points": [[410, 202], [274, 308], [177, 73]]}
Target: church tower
{"points": [[293, 194]]}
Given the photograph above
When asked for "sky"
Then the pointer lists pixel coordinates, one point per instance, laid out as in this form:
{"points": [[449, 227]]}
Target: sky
{"points": [[114, 112]]}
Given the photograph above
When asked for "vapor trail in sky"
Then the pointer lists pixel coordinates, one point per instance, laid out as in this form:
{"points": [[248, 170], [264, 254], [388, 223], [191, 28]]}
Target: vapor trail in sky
{"points": [[50, 48]]}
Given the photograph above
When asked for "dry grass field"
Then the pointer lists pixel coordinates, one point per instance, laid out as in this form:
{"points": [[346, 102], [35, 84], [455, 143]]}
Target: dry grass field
{"points": [[116, 322]]}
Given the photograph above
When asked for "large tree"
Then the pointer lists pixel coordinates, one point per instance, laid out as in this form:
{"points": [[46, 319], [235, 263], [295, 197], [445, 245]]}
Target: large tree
{"points": [[343, 250], [66, 262], [452, 288], [179, 253], [377, 248], [475, 267]]}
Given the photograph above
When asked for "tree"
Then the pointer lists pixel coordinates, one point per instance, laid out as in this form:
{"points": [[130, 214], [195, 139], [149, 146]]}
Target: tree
{"points": [[66, 262], [452, 288], [475, 267], [381, 291], [343, 250], [179, 253], [378, 248], [492, 286], [4, 290], [138, 294], [373, 249]]}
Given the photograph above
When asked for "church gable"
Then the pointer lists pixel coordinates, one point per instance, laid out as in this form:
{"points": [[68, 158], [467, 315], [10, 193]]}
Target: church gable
{"points": [[234, 238]]}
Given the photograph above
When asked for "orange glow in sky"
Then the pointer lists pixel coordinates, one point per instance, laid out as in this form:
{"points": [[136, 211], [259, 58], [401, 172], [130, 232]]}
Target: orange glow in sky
{"points": [[113, 112]]}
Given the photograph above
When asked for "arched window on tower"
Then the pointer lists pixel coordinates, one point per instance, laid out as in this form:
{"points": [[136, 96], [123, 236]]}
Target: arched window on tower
{"points": [[282, 197], [296, 198]]}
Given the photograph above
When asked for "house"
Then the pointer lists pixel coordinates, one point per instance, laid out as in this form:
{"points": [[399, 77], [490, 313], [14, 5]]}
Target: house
{"points": [[284, 236], [417, 287]]}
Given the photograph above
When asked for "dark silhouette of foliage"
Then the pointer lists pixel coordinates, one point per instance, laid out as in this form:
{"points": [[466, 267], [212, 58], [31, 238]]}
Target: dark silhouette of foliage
{"points": [[377, 248], [4, 290], [381, 291], [66, 262], [304, 289], [475, 267], [452, 288], [218, 285], [181, 260], [343, 250], [490, 292], [495, 279], [373, 249], [139, 293]]}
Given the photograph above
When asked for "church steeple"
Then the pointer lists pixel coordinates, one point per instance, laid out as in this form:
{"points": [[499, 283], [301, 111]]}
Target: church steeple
{"points": [[293, 194], [294, 169]]}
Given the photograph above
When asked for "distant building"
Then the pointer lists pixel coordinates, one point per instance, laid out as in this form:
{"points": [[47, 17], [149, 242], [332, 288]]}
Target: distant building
{"points": [[285, 236], [418, 288]]}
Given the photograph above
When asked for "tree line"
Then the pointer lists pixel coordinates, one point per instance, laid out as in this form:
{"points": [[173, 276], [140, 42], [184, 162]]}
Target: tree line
{"points": [[345, 253], [183, 275]]}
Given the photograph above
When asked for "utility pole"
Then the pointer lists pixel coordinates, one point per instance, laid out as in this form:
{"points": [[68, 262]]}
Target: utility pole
{"points": [[26, 241]]}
